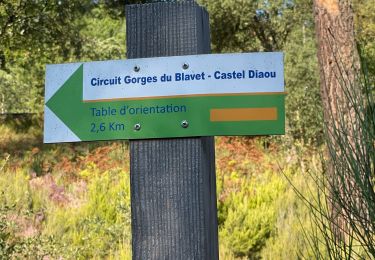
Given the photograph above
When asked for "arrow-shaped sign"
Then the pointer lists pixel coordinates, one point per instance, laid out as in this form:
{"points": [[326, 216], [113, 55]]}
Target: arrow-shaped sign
{"points": [[161, 116]]}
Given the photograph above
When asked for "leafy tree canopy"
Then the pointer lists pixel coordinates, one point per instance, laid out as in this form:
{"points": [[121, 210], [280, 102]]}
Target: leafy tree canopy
{"points": [[35, 33]]}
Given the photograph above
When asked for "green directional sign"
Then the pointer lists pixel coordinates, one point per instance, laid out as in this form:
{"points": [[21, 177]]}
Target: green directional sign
{"points": [[86, 107]]}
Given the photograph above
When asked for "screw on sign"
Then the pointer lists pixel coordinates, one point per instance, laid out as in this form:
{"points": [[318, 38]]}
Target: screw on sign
{"points": [[185, 124], [137, 68], [137, 127]]}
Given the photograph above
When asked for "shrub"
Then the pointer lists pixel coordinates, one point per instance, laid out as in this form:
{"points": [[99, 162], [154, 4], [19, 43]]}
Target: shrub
{"points": [[251, 214], [98, 222]]}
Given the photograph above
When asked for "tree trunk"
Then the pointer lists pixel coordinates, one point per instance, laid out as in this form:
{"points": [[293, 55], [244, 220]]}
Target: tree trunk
{"points": [[340, 91], [337, 53]]}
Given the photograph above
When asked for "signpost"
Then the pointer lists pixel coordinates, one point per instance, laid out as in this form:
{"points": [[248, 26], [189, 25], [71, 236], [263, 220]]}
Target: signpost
{"points": [[173, 183], [197, 95]]}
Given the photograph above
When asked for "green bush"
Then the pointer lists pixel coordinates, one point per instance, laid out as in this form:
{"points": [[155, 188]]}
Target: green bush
{"points": [[251, 214], [98, 222]]}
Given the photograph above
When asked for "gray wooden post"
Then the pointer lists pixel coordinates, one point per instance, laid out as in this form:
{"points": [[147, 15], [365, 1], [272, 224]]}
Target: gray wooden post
{"points": [[173, 189]]}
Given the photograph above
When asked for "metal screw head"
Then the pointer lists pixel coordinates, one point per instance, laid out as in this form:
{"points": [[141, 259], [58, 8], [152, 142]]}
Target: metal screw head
{"points": [[137, 127], [185, 66], [137, 68], [185, 124]]}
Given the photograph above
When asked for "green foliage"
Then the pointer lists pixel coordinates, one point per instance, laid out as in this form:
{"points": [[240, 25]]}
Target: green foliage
{"points": [[251, 214], [288, 239], [238, 25], [86, 213], [98, 221], [260, 215], [102, 44], [365, 29], [5, 234], [54, 216], [303, 102], [18, 195], [36, 33]]}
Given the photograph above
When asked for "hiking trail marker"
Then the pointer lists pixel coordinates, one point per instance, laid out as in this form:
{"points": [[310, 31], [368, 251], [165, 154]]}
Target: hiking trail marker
{"points": [[181, 96]]}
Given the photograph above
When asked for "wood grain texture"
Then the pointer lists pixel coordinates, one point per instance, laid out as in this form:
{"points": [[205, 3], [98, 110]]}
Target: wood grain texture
{"points": [[173, 183]]}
